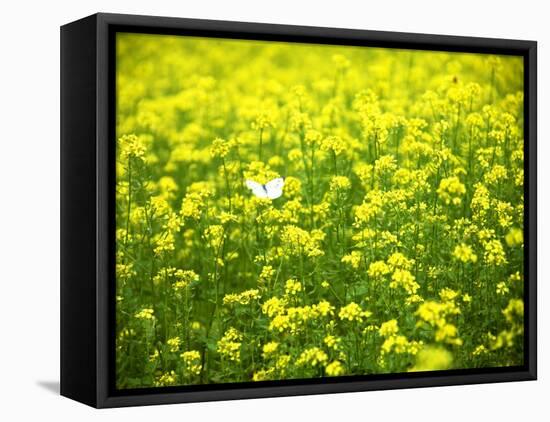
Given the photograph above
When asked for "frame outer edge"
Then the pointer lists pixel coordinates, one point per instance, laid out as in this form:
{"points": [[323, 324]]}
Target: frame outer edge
{"points": [[78, 189], [103, 134], [102, 211], [532, 210]]}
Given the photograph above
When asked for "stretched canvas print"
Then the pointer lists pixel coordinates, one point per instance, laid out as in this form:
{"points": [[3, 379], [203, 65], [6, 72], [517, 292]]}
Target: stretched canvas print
{"points": [[296, 211], [254, 210]]}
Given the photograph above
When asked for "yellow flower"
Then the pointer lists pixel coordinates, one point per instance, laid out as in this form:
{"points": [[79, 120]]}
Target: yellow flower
{"points": [[432, 358], [480, 350], [353, 259], [124, 271], [323, 308], [399, 344], [497, 174], [334, 369], [464, 253], [132, 147], [404, 279], [448, 295], [269, 349], [243, 298], [385, 164], [481, 203], [164, 244], [192, 362], [280, 323], [451, 190], [293, 187], [192, 205], [273, 306], [312, 357], [332, 341], [292, 287], [502, 288], [378, 269], [168, 378], [514, 237], [265, 119], [220, 147], [298, 242], [412, 299], [260, 172], [145, 313], [353, 312], [448, 333], [262, 375], [494, 253], [334, 144], [266, 274], [229, 346], [214, 235], [388, 328], [398, 260], [514, 310], [184, 278], [174, 344], [313, 137], [339, 183]]}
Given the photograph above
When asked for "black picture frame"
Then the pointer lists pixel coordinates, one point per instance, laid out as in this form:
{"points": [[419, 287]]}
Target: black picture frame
{"points": [[87, 208]]}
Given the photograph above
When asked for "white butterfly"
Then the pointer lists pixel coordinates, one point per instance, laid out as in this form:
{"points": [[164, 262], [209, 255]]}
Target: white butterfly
{"points": [[272, 189]]}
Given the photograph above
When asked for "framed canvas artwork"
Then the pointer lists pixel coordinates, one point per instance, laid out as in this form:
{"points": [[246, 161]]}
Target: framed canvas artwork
{"points": [[253, 210]]}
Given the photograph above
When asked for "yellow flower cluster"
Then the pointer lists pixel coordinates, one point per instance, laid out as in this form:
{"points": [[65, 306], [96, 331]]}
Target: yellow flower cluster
{"points": [[293, 287], [269, 349], [294, 318], [432, 358], [229, 346], [353, 259], [389, 328], [451, 190], [312, 357], [394, 342], [464, 253], [437, 315], [340, 183], [378, 269], [167, 379], [174, 344], [353, 312], [334, 369], [404, 279], [192, 362], [146, 313], [243, 298], [300, 242], [494, 253], [132, 147], [220, 147]]}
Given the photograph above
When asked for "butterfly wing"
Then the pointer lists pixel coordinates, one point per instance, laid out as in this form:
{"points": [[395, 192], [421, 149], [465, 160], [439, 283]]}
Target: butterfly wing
{"points": [[274, 188], [256, 188]]}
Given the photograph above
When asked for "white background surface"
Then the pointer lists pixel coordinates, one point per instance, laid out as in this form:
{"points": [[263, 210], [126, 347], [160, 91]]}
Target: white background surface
{"points": [[29, 209]]}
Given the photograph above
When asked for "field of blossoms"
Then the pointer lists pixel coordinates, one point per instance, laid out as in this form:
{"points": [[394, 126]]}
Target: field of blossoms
{"points": [[396, 246]]}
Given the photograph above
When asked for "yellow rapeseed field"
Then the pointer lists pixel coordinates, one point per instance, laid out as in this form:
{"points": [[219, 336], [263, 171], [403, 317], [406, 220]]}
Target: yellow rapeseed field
{"points": [[397, 242]]}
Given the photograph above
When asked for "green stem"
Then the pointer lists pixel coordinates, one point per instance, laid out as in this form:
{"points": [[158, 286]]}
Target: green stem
{"points": [[128, 208], [227, 186], [260, 146]]}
